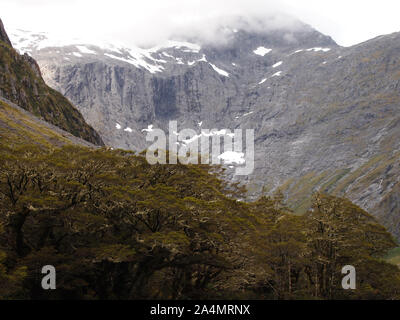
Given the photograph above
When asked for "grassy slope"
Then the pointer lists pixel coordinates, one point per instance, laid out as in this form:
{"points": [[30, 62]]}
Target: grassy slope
{"points": [[18, 128], [394, 256]]}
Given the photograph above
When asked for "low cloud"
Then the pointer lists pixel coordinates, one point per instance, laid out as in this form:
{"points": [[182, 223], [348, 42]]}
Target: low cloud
{"points": [[145, 22]]}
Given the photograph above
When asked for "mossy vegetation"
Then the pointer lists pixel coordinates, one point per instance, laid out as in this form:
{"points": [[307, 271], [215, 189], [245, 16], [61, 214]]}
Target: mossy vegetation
{"points": [[22, 84], [18, 129], [394, 256]]}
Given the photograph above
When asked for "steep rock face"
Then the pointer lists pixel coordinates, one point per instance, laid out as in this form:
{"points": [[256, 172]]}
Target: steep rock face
{"points": [[21, 82], [325, 117]]}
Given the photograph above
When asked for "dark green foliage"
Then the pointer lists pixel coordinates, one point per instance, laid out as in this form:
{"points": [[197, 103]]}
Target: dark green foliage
{"points": [[117, 228], [112, 224]]}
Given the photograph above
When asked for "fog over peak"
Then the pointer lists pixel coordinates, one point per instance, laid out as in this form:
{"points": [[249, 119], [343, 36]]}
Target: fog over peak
{"points": [[220, 30], [149, 23], [145, 23]]}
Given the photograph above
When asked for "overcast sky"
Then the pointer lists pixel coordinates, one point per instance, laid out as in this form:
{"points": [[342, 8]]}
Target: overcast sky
{"points": [[149, 21]]}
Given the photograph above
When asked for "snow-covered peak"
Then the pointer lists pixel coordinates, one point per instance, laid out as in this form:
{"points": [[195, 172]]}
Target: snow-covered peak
{"points": [[152, 59], [27, 41]]}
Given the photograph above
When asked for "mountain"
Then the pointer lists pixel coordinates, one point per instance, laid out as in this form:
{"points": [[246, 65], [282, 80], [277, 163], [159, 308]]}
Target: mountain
{"points": [[21, 82], [114, 226], [325, 117], [178, 80]]}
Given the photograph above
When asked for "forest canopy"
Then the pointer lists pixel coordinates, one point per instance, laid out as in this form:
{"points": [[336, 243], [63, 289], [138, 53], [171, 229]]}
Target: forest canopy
{"points": [[116, 227]]}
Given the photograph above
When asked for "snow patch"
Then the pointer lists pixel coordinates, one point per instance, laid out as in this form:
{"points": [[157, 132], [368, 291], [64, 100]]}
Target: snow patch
{"points": [[127, 129], [277, 74], [262, 51], [149, 128], [230, 157], [262, 81], [138, 61], [248, 113], [220, 71], [222, 132], [168, 55], [319, 49], [203, 58], [277, 64], [118, 126], [113, 48], [84, 49]]}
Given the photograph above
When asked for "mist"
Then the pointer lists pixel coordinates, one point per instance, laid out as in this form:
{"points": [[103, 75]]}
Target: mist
{"points": [[146, 23]]}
